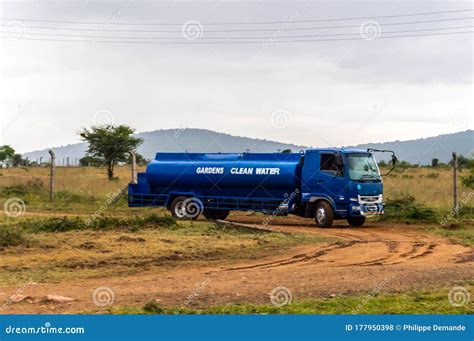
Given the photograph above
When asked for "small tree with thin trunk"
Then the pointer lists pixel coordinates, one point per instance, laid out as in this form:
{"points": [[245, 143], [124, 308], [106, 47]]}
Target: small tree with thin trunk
{"points": [[6, 155], [111, 144]]}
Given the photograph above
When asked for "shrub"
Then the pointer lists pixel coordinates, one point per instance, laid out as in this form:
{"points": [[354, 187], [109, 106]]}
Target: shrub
{"points": [[34, 186], [68, 196], [468, 181], [405, 208], [10, 236], [433, 176], [153, 308], [98, 223]]}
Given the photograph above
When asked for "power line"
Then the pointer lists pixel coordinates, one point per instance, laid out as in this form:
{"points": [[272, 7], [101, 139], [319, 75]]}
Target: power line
{"points": [[235, 42], [240, 23], [237, 38], [249, 30]]}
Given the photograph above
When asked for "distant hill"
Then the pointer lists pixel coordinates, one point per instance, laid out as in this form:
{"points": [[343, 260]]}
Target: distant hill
{"points": [[179, 140], [202, 140], [424, 150]]}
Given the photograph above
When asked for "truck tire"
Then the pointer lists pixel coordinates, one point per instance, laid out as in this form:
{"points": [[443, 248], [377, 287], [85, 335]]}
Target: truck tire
{"points": [[356, 221], [186, 208], [324, 214], [177, 208], [215, 214]]}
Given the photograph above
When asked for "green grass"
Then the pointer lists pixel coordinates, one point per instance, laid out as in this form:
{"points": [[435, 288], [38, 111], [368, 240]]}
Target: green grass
{"points": [[419, 302], [458, 233], [55, 224]]}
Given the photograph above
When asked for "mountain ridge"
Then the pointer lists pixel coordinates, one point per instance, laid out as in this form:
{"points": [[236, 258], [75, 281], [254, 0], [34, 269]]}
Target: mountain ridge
{"points": [[421, 150]]}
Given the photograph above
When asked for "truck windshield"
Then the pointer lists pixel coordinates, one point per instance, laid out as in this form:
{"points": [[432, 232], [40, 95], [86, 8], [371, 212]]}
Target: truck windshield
{"points": [[362, 167]]}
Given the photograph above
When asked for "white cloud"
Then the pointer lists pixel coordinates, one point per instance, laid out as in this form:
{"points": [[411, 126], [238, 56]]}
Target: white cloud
{"points": [[337, 93]]}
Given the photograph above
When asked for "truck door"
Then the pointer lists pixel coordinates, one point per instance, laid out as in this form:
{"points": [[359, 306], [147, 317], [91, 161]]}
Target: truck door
{"points": [[331, 179]]}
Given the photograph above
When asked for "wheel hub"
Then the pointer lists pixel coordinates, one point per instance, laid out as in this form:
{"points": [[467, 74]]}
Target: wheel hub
{"points": [[321, 215]]}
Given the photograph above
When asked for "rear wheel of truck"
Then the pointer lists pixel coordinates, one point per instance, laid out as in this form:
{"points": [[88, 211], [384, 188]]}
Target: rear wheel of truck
{"points": [[177, 208], [215, 214], [324, 214], [356, 221], [186, 208]]}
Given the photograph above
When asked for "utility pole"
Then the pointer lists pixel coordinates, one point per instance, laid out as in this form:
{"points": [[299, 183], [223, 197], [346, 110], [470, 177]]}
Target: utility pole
{"points": [[51, 182], [455, 184]]}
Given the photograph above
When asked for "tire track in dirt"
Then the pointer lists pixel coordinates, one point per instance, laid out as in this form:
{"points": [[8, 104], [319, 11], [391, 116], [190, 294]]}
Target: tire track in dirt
{"points": [[380, 247], [362, 257]]}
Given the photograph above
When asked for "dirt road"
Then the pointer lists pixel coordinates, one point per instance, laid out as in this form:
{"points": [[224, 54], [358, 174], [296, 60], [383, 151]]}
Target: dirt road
{"points": [[390, 257]]}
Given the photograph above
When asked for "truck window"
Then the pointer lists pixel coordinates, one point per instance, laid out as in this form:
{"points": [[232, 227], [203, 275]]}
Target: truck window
{"points": [[328, 164]]}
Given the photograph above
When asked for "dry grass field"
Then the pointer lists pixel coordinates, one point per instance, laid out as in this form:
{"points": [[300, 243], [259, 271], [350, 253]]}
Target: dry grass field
{"points": [[152, 263], [431, 187]]}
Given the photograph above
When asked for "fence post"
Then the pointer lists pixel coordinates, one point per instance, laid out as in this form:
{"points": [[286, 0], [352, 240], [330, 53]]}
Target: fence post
{"points": [[455, 184], [134, 166], [51, 182]]}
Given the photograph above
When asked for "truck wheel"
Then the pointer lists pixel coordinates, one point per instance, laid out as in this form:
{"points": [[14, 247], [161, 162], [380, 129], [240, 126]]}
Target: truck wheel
{"points": [[215, 215], [178, 210], [186, 208], [324, 214], [356, 221]]}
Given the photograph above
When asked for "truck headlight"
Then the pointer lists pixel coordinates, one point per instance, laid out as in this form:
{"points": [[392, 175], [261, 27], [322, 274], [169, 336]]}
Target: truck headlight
{"points": [[356, 208]]}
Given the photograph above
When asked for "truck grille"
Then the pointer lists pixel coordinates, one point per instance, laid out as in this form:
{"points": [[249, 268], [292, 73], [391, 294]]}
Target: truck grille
{"points": [[370, 199]]}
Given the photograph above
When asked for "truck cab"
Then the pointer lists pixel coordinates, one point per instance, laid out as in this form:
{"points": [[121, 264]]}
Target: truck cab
{"points": [[340, 184]]}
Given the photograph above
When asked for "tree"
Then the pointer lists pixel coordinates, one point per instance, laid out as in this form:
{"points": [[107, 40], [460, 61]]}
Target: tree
{"points": [[90, 161], [17, 160], [382, 163], [111, 144], [404, 164], [140, 159], [468, 181], [286, 151], [6, 154], [463, 162], [434, 163]]}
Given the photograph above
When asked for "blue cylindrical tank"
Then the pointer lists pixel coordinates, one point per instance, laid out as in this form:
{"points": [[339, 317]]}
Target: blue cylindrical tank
{"points": [[224, 174]]}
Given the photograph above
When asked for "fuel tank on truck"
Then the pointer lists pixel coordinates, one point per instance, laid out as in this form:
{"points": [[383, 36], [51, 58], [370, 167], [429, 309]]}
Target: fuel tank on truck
{"points": [[247, 174]]}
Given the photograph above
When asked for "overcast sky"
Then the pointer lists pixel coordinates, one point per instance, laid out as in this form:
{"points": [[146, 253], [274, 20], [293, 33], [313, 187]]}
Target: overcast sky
{"points": [[322, 93]]}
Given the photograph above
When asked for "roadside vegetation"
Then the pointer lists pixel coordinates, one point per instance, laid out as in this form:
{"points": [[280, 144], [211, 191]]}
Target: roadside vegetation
{"points": [[412, 302], [54, 249]]}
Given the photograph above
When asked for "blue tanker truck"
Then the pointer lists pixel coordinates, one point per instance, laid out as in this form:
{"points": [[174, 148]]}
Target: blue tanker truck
{"points": [[324, 184]]}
